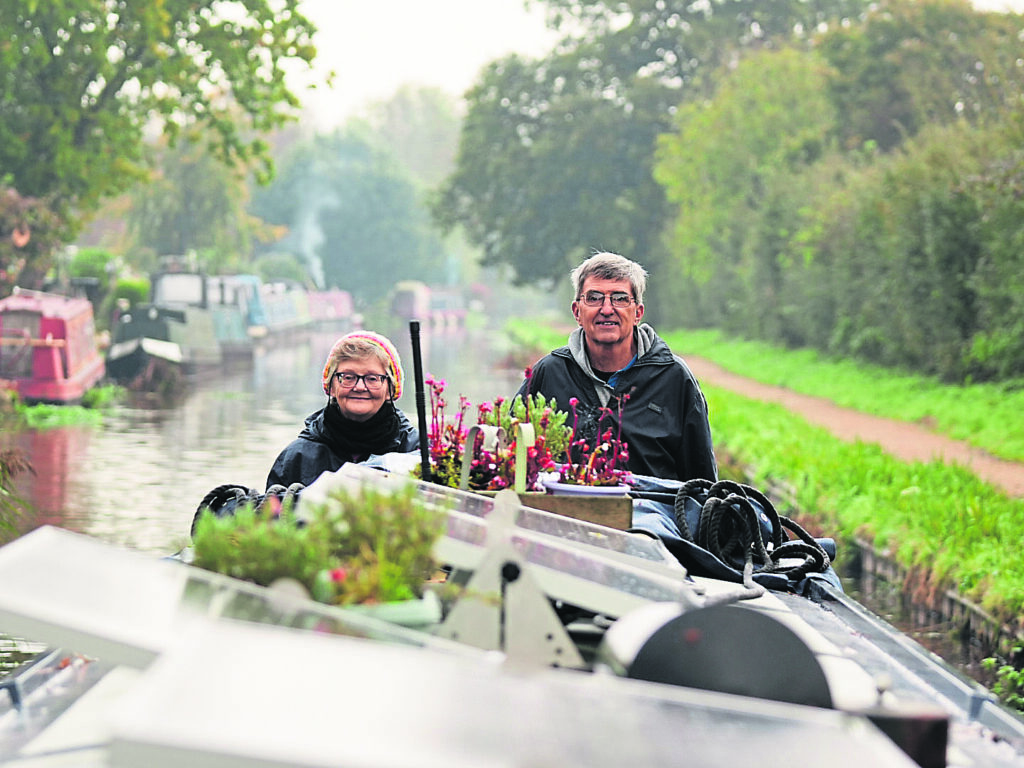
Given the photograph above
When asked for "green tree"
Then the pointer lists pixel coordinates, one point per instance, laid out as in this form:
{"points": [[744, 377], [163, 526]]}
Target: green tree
{"points": [[997, 347], [376, 229], [91, 262], [191, 202], [30, 231], [82, 80], [353, 214], [538, 188], [801, 228], [912, 64], [680, 43], [729, 169], [926, 261], [555, 156], [420, 128]]}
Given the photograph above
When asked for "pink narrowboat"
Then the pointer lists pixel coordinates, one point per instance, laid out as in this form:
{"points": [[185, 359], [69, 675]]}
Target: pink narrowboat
{"points": [[48, 350]]}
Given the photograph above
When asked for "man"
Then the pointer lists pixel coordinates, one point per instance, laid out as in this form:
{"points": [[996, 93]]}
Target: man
{"points": [[612, 355]]}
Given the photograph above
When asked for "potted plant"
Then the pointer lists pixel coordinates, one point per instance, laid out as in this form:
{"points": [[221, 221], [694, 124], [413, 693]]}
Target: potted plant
{"points": [[554, 455], [492, 465], [598, 468], [356, 548]]}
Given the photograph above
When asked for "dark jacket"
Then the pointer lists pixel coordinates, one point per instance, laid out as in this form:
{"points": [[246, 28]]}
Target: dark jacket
{"points": [[665, 419], [315, 451]]}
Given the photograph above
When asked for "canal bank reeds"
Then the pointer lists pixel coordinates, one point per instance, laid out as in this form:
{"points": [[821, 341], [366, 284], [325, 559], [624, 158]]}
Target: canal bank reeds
{"points": [[950, 530]]}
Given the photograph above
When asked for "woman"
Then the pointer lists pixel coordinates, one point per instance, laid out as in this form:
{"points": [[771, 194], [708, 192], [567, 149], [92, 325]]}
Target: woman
{"points": [[362, 379]]}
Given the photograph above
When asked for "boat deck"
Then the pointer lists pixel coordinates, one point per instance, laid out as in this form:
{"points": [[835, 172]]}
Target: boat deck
{"points": [[177, 666]]}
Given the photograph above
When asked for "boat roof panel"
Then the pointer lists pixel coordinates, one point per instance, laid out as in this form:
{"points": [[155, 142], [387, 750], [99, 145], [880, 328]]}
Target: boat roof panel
{"points": [[335, 701], [45, 304]]}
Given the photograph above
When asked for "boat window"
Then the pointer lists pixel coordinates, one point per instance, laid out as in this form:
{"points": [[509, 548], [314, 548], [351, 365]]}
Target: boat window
{"points": [[178, 289], [16, 334]]}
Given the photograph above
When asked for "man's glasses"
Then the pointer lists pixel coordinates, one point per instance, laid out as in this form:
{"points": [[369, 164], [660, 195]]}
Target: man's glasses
{"points": [[596, 298], [371, 380]]}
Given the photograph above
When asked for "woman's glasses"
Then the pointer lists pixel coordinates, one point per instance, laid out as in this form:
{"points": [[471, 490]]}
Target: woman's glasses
{"points": [[372, 381], [596, 298]]}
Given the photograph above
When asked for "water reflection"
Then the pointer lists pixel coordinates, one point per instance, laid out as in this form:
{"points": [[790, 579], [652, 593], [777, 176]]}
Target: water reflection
{"points": [[137, 479]]}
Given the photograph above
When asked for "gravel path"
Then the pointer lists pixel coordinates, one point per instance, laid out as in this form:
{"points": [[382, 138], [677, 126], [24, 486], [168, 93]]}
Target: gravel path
{"points": [[906, 441]]}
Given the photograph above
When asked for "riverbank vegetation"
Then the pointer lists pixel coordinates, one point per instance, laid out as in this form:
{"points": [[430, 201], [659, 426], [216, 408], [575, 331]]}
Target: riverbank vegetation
{"points": [[74, 135], [16, 414], [935, 519], [13, 462]]}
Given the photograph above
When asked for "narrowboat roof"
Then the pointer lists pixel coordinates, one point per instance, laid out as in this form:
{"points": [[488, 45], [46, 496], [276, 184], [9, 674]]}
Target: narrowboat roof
{"points": [[46, 304]]}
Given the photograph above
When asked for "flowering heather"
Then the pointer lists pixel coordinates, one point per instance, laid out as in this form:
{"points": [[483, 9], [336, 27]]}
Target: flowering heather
{"points": [[554, 448]]}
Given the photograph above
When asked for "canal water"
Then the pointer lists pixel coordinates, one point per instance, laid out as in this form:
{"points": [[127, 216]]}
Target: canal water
{"points": [[952, 639], [136, 479]]}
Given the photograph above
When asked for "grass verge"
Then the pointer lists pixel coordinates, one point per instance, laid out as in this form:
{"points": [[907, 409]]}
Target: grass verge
{"points": [[986, 416]]}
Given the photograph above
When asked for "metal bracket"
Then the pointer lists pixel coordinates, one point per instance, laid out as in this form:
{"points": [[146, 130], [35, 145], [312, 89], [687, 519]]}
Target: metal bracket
{"points": [[502, 608], [495, 438]]}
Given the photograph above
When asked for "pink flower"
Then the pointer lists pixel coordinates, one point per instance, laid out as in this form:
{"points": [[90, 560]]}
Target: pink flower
{"points": [[488, 470], [603, 463]]}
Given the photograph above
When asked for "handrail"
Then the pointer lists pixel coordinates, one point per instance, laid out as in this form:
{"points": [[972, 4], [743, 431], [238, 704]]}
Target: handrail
{"points": [[49, 341], [494, 437]]}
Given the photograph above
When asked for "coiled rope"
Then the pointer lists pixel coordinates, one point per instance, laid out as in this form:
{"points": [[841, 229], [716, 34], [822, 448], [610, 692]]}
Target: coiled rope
{"points": [[226, 498], [728, 527]]}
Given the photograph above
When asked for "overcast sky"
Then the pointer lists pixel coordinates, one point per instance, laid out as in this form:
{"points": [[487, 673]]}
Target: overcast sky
{"points": [[374, 47]]}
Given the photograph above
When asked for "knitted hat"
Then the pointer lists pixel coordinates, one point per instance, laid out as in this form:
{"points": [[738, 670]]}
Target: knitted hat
{"points": [[393, 368]]}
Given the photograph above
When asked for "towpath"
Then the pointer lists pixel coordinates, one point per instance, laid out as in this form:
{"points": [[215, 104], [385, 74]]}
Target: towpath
{"points": [[904, 440]]}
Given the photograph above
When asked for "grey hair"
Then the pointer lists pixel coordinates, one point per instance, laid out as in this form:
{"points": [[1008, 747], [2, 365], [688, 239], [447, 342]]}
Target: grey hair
{"points": [[611, 266], [358, 348]]}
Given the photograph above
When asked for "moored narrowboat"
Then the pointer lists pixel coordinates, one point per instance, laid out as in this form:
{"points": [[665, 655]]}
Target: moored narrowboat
{"points": [[332, 309], [184, 330], [274, 310], [48, 349]]}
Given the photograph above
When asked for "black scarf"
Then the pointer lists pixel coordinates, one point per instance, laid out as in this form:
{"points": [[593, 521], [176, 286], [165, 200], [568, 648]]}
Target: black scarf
{"points": [[357, 440]]}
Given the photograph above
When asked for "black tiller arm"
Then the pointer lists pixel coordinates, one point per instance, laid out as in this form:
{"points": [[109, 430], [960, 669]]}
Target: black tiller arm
{"points": [[421, 401]]}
